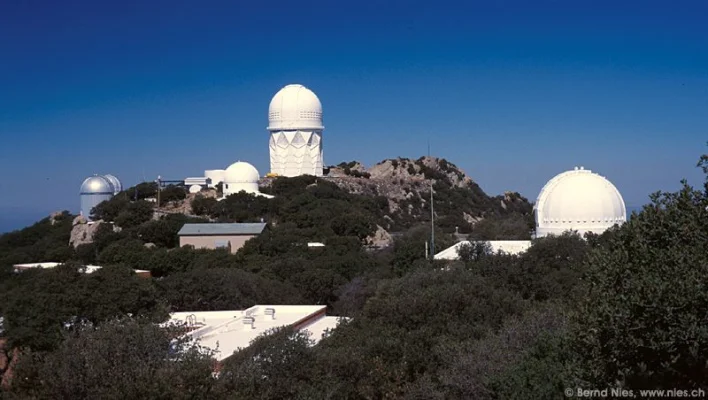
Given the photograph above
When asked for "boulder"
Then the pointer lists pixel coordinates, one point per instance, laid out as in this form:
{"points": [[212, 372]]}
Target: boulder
{"points": [[381, 238]]}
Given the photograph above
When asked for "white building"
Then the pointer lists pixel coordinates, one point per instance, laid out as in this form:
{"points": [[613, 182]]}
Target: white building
{"points": [[227, 331], [512, 247], [242, 177], [578, 200], [295, 125], [86, 269], [216, 176]]}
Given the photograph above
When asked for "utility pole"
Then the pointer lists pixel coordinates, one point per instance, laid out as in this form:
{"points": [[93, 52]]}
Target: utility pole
{"points": [[432, 224], [158, 190], [432, 216]]}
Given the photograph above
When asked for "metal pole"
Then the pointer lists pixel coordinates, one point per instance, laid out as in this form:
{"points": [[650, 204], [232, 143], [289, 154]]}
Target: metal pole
{"points": [[432, 216], [432, 224]]}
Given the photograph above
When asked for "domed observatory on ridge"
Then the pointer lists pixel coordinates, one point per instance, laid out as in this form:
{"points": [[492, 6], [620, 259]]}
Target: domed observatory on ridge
{"points": [[295, 125], [578, 200], [241, 177], [94, 190]]}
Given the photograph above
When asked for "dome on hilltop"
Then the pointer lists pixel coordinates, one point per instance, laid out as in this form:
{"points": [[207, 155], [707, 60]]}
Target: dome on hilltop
{"points": [[578, 200], [295, 107], [240, 176], [96, 185]]}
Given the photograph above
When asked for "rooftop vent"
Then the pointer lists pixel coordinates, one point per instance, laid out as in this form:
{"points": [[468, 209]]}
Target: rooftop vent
{"points": [[270, 311], [250, 320]]}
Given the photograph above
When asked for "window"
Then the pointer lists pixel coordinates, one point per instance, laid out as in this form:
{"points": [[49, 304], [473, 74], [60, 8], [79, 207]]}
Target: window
{"points": [[221, 244]]}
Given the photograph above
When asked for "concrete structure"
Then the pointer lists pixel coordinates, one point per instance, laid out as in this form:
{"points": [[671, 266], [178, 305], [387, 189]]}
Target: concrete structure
{"points": [[94, 190], [215, 236], [578, 200], [215, 175], [512, 247], [295, 125], [87, 269], [228, 331], [201, 181], [242, 177], [115, 182]]}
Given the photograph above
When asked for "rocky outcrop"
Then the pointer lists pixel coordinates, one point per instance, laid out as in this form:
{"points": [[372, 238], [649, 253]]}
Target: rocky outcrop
{"points": [[82, 232], [55, 217], [381, 238], [183, 206], [406, 186]]}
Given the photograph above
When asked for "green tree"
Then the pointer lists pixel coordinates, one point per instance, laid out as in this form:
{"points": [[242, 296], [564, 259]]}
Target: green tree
{"points": [[121, 359], [410, 248], [642, 320], [202, 205], [43, 305], [142, 191], [277, 365], [135, 214], [474, 251]]}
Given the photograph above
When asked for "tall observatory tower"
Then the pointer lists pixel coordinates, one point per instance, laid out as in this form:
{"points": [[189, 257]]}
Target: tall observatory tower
{"points": [[295, 125]]}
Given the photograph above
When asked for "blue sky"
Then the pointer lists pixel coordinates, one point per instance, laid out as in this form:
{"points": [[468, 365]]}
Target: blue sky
{"points": [[513, 92]]}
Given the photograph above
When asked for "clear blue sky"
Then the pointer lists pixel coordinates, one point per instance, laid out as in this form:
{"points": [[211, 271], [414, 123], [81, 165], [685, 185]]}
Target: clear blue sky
{"points": [[513, 92]]}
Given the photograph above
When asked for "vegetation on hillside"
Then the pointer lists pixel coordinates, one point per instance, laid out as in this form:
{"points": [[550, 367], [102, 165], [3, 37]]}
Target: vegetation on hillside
{"points": [[625, 309]]}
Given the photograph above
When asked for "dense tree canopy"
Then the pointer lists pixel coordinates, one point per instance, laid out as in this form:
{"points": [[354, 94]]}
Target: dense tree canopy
{"points": [[623, 309]]}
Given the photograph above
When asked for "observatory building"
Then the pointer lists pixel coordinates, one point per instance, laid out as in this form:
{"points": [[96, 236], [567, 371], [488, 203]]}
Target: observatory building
{"points": [[578, 200], [95, 189], [241, 177], [295, 125]]}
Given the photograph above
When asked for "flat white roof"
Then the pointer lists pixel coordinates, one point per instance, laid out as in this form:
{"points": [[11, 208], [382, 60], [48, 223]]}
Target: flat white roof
{"points": [[45, 265], [498, 246], [228, 331]]}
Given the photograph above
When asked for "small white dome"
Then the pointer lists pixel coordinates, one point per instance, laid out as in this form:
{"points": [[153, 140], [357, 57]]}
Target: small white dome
{"points": [[240, 176], [295, 107], [578, 200]]}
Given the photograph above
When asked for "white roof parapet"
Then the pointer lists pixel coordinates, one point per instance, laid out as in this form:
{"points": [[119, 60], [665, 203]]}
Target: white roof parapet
{"points": [[46, 265], [512, 247], [225, 332]]}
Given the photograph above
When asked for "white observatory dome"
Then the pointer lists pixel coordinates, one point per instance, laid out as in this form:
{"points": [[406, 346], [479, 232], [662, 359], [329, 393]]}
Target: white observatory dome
{"points": [[578, 200], [240, 176], [295, 107], [96, 185], [94, 190]]}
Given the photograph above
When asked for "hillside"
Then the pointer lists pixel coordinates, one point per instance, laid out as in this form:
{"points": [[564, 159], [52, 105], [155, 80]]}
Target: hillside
{"points": [[396, 191], [489, 326], [405, 184]]}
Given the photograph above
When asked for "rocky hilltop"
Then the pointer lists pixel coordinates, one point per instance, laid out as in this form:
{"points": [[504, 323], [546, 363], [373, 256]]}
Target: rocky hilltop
{"points": [[406, 183]]}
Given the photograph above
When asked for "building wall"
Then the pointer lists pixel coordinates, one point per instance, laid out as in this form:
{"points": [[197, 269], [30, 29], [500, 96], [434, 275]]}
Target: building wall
{"points": [[209, 241], [89, 201], [298, 152]]}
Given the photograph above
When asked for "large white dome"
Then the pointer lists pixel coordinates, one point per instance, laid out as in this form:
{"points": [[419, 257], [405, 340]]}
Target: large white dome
{"points": [[295, 107], [578, 200], [240, 176]]}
